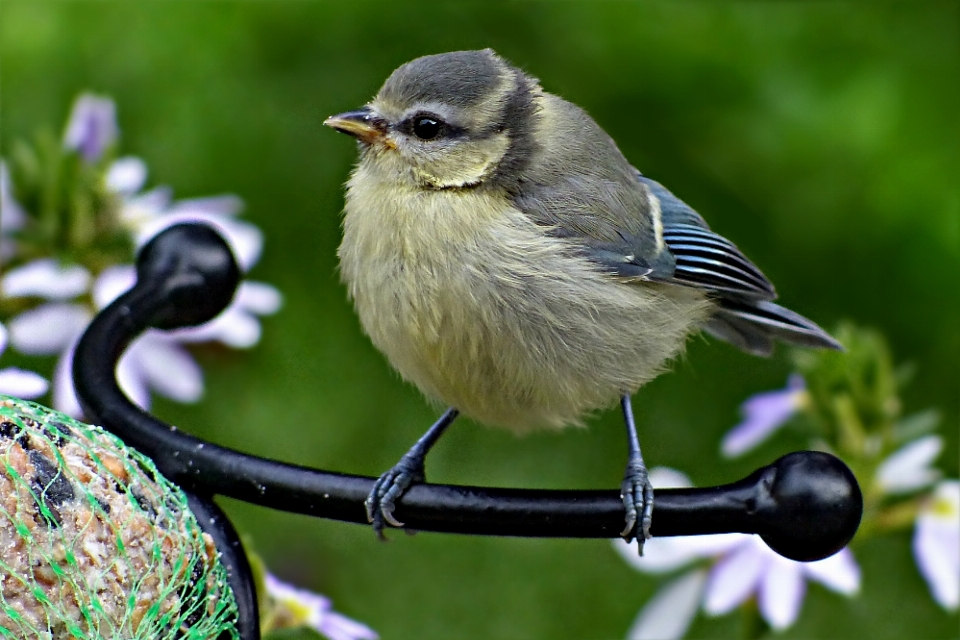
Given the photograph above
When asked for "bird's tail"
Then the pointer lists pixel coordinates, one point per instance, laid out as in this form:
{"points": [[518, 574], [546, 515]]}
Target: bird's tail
{"points": [[754, 325]]}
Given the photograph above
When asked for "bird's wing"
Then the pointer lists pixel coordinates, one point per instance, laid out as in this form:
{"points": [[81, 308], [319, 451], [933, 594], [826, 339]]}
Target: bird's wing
{"points": [[640, 231], [754, 325], [607, 217], [704, 259], [745, 315]]}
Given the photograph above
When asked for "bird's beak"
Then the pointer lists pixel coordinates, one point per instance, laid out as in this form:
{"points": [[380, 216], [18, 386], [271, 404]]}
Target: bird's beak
{"points": [[363, 124]]}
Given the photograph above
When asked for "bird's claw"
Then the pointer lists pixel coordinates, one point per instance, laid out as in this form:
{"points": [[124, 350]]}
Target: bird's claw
{"points": [[389, 487], [637, 495]]}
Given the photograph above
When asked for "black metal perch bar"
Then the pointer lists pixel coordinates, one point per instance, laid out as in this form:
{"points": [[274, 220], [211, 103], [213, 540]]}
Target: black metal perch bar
{"points": [[806, 505]]}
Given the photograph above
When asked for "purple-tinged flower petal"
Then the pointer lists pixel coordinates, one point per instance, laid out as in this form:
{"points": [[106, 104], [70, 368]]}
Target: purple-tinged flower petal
{"points": [[337, 626], [667, 478], [155, 361], [745, 567], [227, 204], [131, 379], [140, 210], [663, 555], [45, 278], [64, 395], [127, 175], [763, 414], [245, 239], [781, 592], [167, 368], [49, 328], [936, 543], [735, 577], [284, 592], [260, 298], [840, 572], [306, 609], [237, 326], [112, 283], [22, 384], [908, 469], [7, 248], [668, 615], [92, 126], [19, 382], [233, 327]]}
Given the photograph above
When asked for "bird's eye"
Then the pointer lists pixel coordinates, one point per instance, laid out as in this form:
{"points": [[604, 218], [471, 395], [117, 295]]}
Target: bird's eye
{"points": [[426, 128]]}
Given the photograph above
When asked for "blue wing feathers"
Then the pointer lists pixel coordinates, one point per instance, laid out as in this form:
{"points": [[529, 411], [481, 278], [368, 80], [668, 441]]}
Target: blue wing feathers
{"points": [[705, 259], [745, 315]]}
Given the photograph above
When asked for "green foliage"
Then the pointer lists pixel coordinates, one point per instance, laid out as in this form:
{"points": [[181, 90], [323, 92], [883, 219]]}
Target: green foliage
{"points": [[76, 214], [855, 409], [854, 393]]}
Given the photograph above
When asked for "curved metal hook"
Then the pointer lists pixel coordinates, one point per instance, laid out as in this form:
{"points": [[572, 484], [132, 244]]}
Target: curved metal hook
{"points": [[214, 522], [806, 505]]}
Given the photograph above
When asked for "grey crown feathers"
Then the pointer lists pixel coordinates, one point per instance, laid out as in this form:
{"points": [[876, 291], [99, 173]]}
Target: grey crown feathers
{"points": [[585, 191]]}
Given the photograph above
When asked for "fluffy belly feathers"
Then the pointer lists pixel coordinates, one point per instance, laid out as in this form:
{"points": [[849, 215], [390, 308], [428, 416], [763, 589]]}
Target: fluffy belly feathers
{"points": [[493, 317]]}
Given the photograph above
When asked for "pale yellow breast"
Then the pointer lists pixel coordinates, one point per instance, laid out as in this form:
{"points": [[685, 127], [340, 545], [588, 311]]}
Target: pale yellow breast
{"points": [[483, 311]]}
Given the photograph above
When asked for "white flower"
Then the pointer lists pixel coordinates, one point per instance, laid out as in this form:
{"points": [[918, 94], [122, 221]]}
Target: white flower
{"points": [[739, 566], [293, 607], [752, 568], [763, 414], [45, 278], [127, 175], [49, 328], [92, 126], [18, 382], [936, 543], [908, 468], [244, 238], [145, 214], [237, 326], [156, 361], [670, 611]]}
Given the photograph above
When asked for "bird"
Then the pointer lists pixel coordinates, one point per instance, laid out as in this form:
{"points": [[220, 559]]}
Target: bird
{"points": [[512, 264]]}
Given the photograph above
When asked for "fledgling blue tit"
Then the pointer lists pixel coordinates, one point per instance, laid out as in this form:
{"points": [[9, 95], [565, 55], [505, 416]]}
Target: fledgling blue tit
{"points": [[512, 264]]}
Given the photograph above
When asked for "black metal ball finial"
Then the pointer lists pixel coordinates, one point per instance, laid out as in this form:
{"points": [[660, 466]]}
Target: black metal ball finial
{"points": [[197, 270], [806, 506], [811, 505]]}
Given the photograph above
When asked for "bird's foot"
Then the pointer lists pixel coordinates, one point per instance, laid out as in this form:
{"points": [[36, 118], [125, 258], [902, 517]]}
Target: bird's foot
{"points": [[389, 488], [637, 495]]}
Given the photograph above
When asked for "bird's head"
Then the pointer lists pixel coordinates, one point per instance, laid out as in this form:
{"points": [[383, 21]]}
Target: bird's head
{"points": [[452, 120]]}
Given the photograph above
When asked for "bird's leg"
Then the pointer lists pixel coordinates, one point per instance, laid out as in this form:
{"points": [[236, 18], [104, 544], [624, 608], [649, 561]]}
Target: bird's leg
{"points": [[636, 490], [391, 485]]}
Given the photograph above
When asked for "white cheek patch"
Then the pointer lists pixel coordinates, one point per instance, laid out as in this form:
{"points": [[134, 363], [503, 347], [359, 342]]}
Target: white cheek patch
{"points": [[462, 164]]}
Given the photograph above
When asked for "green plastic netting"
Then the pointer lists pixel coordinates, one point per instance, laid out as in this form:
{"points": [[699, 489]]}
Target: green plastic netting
{"points": [[95, 543]]}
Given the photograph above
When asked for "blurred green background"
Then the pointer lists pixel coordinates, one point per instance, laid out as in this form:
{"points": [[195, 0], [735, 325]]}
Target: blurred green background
{"points": [[823, 138]]}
